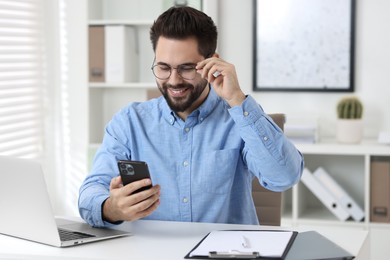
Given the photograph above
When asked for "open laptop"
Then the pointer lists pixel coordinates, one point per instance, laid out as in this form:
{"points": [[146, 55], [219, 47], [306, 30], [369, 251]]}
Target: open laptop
{"points": [[26, 211]]}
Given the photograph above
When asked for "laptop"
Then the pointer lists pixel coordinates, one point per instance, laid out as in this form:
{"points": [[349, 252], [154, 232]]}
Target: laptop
{"points": [[26, 211]]}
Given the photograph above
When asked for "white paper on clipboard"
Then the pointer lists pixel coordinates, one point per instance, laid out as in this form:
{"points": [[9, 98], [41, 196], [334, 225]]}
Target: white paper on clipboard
{"points": [[266, 243]]}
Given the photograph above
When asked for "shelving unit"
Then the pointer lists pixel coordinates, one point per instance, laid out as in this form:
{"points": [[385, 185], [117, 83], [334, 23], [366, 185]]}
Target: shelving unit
{"points": [[105, 99], [349, 165]]}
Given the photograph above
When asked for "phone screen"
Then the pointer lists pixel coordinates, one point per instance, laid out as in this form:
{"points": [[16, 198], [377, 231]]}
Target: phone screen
{"points": [[133, 171]]}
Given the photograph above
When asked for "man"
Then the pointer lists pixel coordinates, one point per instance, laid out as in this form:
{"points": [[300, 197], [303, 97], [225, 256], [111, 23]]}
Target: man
{"points": [[204, 140]]}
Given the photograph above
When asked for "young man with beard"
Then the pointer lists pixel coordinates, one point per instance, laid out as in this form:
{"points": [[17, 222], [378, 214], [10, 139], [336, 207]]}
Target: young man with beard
{"points": [[204, 140]]}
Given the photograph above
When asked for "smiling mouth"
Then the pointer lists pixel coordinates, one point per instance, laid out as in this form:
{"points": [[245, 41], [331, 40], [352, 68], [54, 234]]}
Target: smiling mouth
{"points": [[177, 92]]}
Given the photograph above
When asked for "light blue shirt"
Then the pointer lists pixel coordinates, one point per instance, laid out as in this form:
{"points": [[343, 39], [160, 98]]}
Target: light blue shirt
{"points": [[205, 165]]}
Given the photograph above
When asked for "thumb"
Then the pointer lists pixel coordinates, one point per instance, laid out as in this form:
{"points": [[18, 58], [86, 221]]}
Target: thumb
{"points": [[116, 182]]}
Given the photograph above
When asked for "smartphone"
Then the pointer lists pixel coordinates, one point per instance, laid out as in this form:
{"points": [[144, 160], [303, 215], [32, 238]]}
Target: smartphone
{"points": [[133, 171]]}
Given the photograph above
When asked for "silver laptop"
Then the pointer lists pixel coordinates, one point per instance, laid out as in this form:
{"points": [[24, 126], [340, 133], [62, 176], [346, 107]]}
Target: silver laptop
{"points": [[26, 211]]}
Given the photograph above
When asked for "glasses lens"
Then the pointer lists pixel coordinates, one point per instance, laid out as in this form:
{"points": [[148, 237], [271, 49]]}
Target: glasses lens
{"points": [[161, 71], [187, 71]]}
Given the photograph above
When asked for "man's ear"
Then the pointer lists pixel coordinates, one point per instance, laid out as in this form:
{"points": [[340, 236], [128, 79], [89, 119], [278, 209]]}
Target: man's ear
{"points": [[216, 55]]}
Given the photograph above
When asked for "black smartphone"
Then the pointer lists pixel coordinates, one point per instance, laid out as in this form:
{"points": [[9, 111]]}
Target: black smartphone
{"points": [[133, 171]]}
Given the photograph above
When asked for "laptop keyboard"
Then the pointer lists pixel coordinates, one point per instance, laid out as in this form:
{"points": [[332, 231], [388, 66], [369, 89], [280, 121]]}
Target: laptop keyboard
{"points": [[66, 235]]}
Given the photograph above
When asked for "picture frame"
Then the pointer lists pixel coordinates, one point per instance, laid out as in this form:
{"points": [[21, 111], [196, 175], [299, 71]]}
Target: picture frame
{"points": [[304, 45]]}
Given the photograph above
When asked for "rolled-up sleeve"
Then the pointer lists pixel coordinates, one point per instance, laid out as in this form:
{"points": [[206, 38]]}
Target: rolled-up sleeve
{"points": [[269, 155]]}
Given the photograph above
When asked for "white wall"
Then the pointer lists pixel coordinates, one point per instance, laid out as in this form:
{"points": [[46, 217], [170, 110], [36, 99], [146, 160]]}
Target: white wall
{"points": [[372, 69]]}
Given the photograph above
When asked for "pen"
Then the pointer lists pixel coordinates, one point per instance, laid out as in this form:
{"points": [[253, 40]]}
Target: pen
{"points": [[244, 242]]}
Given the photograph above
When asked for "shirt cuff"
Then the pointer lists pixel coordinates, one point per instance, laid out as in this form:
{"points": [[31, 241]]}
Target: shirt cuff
{"points": [[97, 213]]}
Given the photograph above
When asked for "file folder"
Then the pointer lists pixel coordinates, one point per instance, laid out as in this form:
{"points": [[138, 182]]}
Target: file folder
{"points": [[380, 190], [96, 54], [324, 195], [121, 54], [340, 194]]}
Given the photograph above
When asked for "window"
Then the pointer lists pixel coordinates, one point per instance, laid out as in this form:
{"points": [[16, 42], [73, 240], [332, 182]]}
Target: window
{"points": [[22, 67]]}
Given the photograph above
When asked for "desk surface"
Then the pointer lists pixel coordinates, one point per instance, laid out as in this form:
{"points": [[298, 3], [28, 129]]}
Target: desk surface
{"points": [[159, 240]]}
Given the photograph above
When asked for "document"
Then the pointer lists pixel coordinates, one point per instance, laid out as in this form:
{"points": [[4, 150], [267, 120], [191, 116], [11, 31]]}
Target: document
{"points": [[250, 243]]}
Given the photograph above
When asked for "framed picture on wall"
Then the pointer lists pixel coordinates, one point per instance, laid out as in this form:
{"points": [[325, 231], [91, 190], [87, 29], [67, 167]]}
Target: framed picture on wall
{"points": [[304, 45]]}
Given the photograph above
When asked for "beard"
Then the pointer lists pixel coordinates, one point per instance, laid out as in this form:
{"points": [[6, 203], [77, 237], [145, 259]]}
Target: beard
{"points": [[182, 103]]}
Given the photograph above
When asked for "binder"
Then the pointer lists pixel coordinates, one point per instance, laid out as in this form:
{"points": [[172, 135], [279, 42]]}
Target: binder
{"points": [[324, 195], [380, 191], [121, 55], [249, 244], [340, 194], [96, 54]]}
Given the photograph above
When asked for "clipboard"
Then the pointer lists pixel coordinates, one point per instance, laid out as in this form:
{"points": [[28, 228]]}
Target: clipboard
{"points": [[288, 238]]}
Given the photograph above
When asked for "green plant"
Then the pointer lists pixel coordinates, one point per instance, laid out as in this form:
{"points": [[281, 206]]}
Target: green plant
{"points": [[350, 108]]}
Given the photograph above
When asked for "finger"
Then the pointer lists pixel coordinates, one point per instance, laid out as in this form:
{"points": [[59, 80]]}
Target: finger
{"points": [[146, 208], [216, 74], [146, 203], [138, 197], [136, 185], [204, 66], [149, 210], [141, 209]]}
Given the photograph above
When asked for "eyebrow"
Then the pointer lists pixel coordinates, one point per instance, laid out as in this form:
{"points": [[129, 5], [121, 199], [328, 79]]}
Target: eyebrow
{"points": [[183, 64]]}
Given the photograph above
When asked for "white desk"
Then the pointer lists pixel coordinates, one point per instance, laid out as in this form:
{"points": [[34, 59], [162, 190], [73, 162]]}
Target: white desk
{"points": [[159, 240]]}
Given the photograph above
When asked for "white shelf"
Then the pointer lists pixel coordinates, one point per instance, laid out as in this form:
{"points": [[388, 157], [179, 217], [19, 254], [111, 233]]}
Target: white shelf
{"points": [[331, 147], [134, 85], [121, 22], [349, 164]]}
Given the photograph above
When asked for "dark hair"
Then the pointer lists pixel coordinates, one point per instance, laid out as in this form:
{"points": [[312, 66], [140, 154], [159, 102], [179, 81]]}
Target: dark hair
{"points": [[185, 22]]}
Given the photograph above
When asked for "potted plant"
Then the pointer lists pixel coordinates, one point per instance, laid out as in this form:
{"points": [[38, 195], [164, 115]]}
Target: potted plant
{"points": [[350, 123]]}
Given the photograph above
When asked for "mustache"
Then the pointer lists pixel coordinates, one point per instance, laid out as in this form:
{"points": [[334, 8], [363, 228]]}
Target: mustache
{"points": [[178, 86]]}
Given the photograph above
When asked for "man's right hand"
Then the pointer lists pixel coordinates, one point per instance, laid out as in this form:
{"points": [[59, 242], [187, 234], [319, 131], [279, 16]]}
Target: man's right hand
{"points": [[123, 205]]}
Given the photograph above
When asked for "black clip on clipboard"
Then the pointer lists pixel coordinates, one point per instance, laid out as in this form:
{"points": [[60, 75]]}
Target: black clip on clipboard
{"points": [[234, 254]]}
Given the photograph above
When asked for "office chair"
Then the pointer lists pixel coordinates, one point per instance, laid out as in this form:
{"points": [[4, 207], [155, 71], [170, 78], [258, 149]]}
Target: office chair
{"points": [[268, 203]]}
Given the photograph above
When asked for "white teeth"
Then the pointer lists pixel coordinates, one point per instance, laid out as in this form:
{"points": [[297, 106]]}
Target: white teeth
{"points": [[177, 91]]}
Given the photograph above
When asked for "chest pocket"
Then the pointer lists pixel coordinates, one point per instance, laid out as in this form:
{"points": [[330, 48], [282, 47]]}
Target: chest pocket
{"points": [[218, 171]]}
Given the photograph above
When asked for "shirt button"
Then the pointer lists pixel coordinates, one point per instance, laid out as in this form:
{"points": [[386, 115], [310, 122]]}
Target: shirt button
{"points": [[187, 129], [185, 163], [185, 200], [265, 138], [246, 113]]}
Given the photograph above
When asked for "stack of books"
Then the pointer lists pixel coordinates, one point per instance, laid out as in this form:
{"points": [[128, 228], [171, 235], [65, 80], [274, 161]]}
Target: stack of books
{"points": [[301, 133], [332, 195]]}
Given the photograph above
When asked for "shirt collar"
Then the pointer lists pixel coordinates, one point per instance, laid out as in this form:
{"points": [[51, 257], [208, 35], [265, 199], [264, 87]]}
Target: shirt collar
{"points": [[202, 111]]}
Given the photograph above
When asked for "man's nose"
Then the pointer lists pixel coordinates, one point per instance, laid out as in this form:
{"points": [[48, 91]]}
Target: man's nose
{"points": [[175, 78]]}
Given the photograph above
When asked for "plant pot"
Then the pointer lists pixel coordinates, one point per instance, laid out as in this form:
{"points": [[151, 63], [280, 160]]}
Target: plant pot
{"points": [[349, 131]]}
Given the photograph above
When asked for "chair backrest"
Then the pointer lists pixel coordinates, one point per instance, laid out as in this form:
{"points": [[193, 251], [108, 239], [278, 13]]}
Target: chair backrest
{"points": [[268, 203]]}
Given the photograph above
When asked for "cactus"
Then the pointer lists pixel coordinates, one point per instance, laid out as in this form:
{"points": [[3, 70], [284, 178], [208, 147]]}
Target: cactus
{"points": [[350, 108]]}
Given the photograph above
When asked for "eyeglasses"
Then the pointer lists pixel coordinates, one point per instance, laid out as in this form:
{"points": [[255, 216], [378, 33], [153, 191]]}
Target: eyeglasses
{"points": [[164, 71]]}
